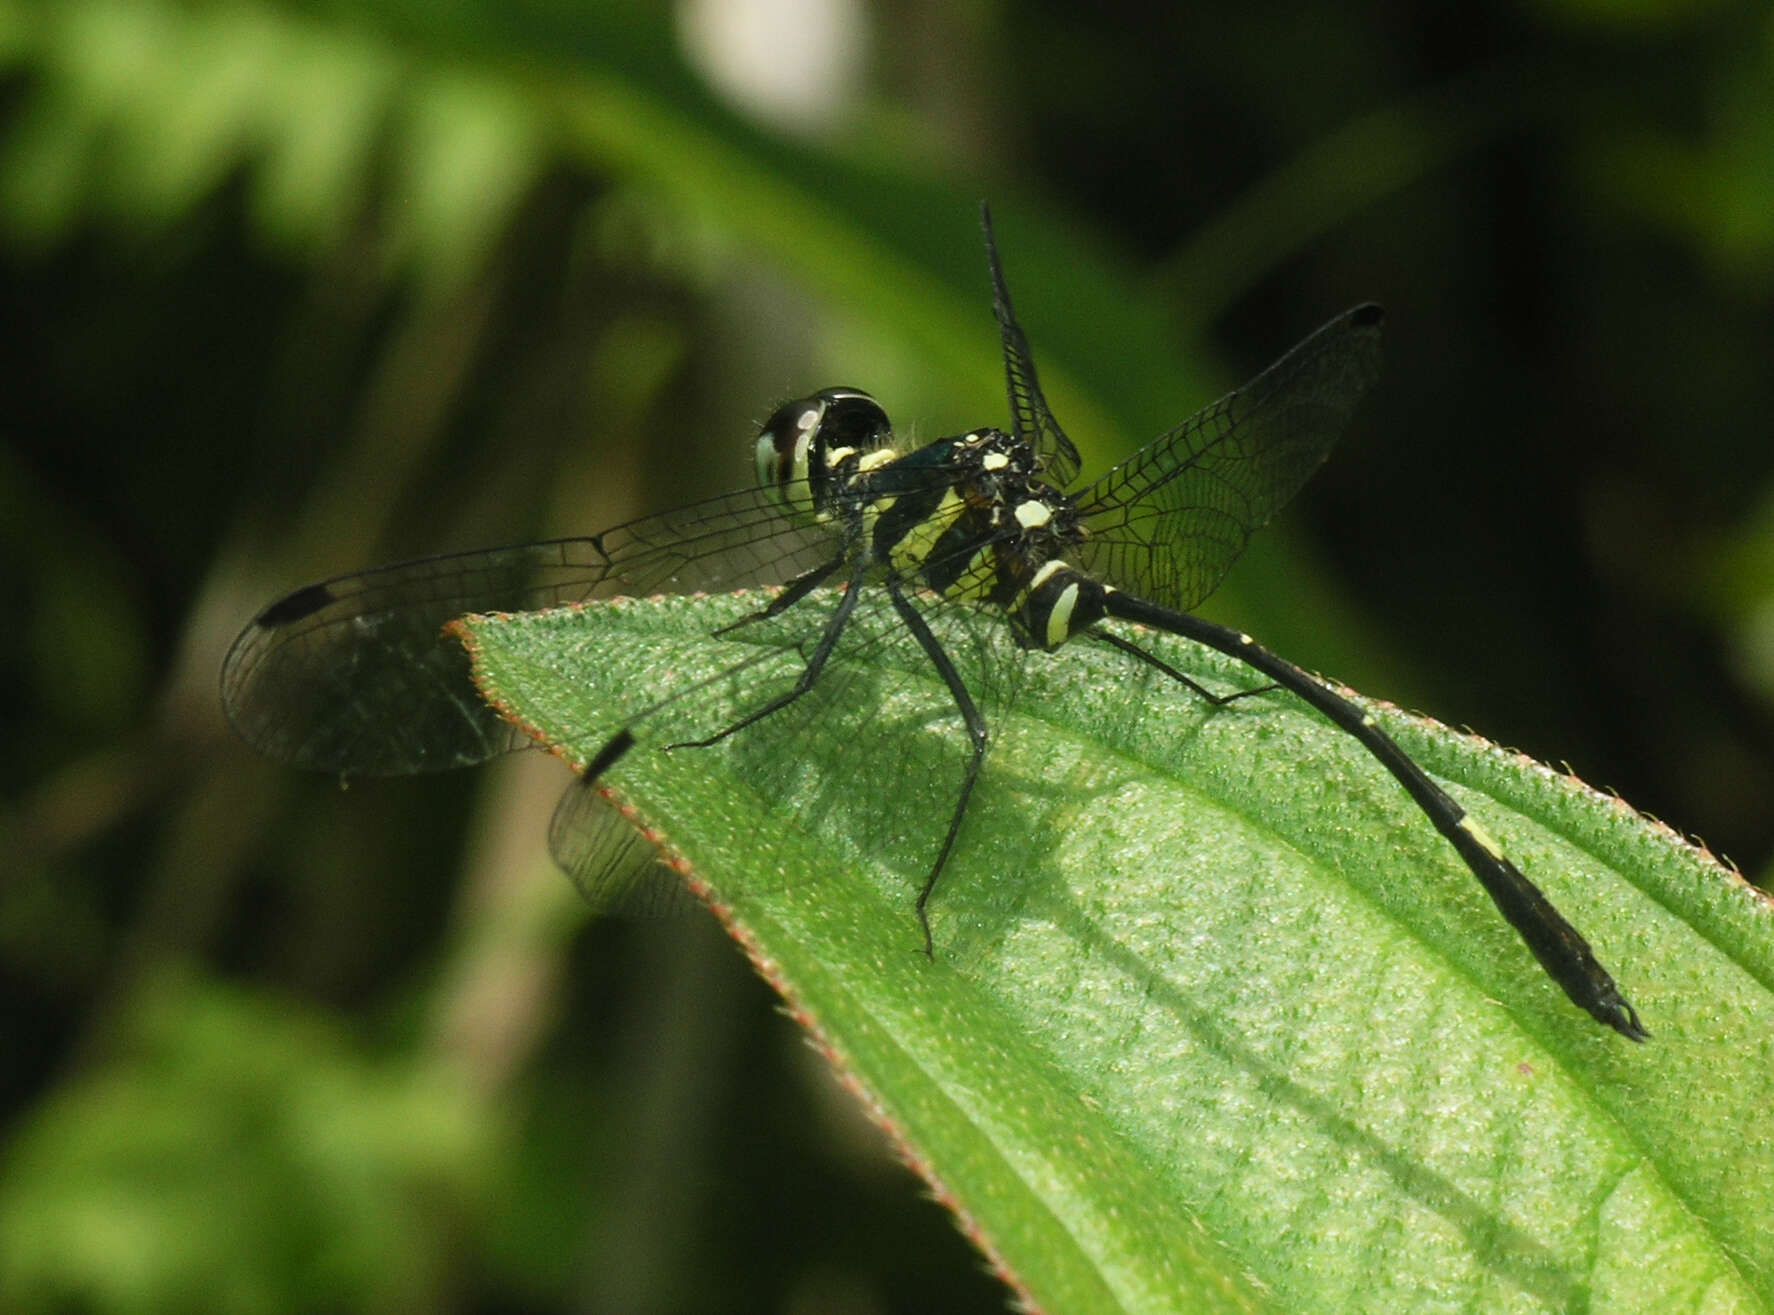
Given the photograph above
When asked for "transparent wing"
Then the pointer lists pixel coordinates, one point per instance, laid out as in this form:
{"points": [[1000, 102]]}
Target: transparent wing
{"points": [[1168, 522], [1029, 417], [616, 868], [356, 676]]}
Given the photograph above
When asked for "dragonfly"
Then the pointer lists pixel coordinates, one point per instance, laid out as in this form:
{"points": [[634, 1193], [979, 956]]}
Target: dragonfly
{"points": [[860, 541]]}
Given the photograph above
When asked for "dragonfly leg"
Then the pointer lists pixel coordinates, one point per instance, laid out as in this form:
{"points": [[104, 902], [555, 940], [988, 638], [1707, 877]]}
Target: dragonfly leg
{"points": [[822, 651], [976, 734], [792, 592], [1153, 660]]}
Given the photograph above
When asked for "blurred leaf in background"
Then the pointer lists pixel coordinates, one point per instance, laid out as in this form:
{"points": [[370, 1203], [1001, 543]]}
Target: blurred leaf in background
{"points": [[236, 1155], [299, 287]]}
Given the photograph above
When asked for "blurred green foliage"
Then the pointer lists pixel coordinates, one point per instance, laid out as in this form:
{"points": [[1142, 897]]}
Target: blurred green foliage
{"points": [[233, 1154], [297, 287]]}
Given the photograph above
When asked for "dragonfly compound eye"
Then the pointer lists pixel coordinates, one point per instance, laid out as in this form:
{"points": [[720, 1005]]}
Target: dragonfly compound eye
{"points": [[854, 422], [784, 441], [805, 440]]}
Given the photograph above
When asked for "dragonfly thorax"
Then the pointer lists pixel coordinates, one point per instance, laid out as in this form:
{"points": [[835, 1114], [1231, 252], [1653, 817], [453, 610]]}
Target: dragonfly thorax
{"points": [[969, 517], [973, 519]]}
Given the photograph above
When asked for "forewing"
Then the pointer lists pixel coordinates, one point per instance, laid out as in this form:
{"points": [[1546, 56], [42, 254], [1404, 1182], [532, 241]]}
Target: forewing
{"points": [[1029, 417], [356, 676], [1168, 522]]}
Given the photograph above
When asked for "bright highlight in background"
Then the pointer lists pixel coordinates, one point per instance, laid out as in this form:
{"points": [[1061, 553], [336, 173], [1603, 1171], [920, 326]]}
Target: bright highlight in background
{"points": [[795, 64]]}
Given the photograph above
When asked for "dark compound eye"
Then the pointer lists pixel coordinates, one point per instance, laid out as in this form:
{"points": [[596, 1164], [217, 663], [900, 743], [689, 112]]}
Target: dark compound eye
{"points": [[784, 440], [794, 443], [853, 419]]}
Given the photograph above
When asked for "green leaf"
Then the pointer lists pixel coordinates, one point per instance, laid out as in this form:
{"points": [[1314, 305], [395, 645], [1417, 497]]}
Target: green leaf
{"points": [[1215, 1020]]}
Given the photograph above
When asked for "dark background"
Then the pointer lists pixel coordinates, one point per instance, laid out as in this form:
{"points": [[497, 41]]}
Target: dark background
{"points": [[296, 288]]}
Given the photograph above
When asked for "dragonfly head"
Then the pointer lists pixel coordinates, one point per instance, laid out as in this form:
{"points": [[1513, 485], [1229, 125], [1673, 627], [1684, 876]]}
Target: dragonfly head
{"points": [[804, 440]]}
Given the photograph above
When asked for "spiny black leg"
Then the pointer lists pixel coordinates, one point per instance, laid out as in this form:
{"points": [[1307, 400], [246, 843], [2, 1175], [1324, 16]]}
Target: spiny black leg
{"points": [[809, 674], [1559, 947], [976, 732], [792, 592], [1152, 659], [618, 745]]}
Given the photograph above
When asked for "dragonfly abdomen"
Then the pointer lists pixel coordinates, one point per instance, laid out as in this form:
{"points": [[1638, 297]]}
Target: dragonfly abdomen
{"points": [[1057, 603]]}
